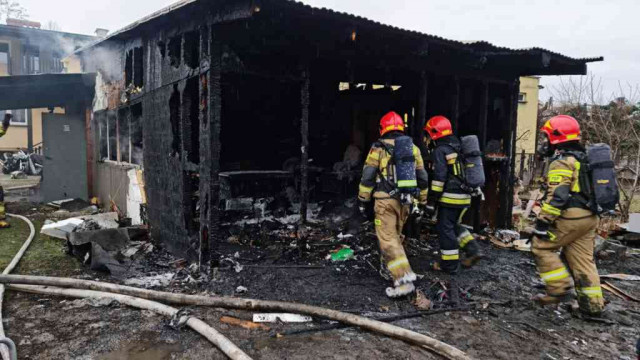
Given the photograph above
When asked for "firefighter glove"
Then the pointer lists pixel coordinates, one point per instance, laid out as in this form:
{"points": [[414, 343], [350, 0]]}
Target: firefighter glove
{"points": [[541, 231], [429, 209]]}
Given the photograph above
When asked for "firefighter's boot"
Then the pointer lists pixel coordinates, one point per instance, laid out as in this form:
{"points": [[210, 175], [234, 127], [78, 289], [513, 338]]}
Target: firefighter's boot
{"points": [[546, 299], [401, 290]]}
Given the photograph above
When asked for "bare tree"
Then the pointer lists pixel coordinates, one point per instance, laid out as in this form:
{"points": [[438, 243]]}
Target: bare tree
{"points": [[12, 9], [614, 120], [52, 25]]}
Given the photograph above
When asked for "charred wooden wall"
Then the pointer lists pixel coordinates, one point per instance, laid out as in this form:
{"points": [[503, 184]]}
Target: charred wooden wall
{"points": [[187, 74]]}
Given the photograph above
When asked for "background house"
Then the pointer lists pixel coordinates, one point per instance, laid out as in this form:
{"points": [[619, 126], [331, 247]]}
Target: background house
{"points": [[26, 49], [526, 138]]}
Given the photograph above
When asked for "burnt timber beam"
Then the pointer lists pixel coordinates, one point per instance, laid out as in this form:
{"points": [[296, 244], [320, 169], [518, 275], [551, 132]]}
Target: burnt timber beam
{"points": [[205, 150], [213, 235], [455, 102], [421, 116], [504, 219], [482, 138], [511, 154], [484, 114], [304, 148]]}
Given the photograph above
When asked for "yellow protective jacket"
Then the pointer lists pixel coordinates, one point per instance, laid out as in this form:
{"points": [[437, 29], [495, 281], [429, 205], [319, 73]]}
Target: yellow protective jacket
{"points": [[563, 191], [376, 165], [5, 124]]}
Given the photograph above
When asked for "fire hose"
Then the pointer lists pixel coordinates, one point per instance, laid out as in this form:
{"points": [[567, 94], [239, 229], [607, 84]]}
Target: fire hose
{"points": [[8, 348], [10, 353], [141, 297]]}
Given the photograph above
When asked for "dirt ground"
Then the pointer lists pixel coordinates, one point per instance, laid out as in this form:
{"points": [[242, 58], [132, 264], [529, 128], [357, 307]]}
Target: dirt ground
{"points": [[494, 320]]}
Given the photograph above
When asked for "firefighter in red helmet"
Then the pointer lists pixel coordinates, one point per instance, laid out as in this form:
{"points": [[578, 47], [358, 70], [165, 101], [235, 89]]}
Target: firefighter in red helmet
{"points": [[380, 182], [449, 194], [565, 222]]}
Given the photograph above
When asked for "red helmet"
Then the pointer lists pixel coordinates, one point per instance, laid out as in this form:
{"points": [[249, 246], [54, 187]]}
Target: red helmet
{"points": [[561, 128], [438, 127], [390, 122]]}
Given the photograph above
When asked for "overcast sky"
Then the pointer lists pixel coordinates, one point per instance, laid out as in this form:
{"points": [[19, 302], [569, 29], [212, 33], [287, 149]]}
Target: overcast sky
{"points": [[577, 28]]}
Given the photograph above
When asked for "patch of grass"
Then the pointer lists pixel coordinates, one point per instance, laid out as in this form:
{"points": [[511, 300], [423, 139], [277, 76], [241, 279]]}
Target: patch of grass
{"points": [[45, 256], [635, 204]]}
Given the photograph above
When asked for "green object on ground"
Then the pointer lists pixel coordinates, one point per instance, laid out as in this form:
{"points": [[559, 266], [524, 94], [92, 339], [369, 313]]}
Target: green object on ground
{"points": [[342, 255]]}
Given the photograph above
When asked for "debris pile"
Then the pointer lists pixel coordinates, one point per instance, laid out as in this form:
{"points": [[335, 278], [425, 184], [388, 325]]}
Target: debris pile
{"points": [[98, 240]]}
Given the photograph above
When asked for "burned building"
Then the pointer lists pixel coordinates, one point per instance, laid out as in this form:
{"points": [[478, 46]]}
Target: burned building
{"points": [[216, 100]]}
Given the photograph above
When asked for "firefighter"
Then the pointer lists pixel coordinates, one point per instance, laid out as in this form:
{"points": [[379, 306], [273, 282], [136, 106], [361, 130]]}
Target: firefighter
{"points": [[390, 212], [565, 222], [449, 194], [3, 216]]}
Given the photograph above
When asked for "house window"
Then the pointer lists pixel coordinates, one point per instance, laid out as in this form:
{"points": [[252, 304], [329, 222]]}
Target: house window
{"points": [[19, 117], [112, 137], [4, 59], [136, 134], [522, 97], [124, 140], [56, 64], [103, 134], [120, 137], [31, 60]]}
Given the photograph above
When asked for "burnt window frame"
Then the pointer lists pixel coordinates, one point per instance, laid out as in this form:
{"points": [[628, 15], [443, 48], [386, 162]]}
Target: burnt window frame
{"points": [[31, 56], [134, 70], [124, 119]]}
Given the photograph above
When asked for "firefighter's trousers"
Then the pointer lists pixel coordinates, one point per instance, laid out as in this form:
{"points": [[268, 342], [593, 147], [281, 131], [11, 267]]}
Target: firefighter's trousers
{"points": [[3, 214], [574, 234], [449, 228], [390, 216]]}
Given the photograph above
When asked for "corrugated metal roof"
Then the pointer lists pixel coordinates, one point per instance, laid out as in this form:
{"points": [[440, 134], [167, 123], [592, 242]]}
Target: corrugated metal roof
{"points": [[164, 11], [475, 45], [487, 46]]}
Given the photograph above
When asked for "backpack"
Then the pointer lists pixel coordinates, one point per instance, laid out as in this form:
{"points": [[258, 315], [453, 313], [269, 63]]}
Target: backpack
{"points": [[402, 166], [599, 179], [473, 168]]}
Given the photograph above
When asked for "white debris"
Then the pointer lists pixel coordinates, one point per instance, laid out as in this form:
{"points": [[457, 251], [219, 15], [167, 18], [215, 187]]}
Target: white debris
{"points": [[62, 228], [241, 290], [151, 281], [194, 268], [18, 175], [287, 318], [344, 236], [131, 251], [105, 220], [507, 236]]}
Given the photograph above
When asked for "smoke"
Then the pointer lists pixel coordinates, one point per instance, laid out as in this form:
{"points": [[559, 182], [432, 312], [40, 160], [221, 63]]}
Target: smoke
{"points": [[66, 46], [106, 59]]}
